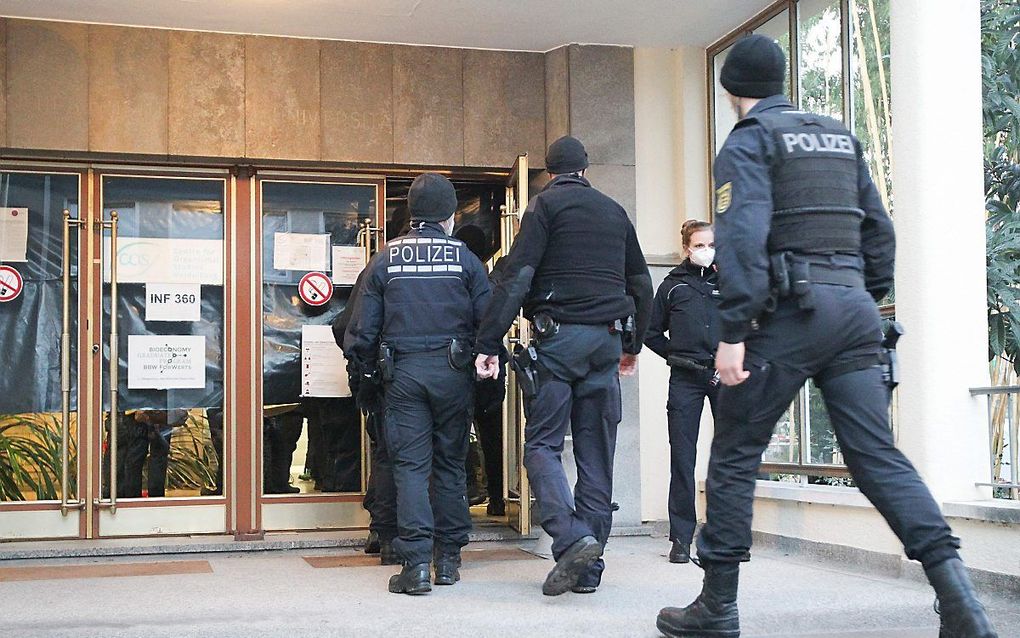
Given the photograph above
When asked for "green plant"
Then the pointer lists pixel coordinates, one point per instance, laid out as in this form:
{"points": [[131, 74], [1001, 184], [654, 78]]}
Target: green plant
{"points": [[30, 461], [1000, 69]]}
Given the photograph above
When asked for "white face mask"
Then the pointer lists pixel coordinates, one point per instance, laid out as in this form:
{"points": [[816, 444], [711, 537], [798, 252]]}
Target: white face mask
{"points": [[703, 257]]}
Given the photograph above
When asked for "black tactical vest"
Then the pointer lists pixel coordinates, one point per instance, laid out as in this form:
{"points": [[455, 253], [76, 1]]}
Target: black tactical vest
{"points": [[814, 184]]}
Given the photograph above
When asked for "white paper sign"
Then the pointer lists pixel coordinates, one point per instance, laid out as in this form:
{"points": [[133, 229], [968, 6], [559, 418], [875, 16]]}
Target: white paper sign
{"points": [[348, 262], [162, 362], [173, 302], [13, 234], [323, 366], [298, 251], [143, 260]]}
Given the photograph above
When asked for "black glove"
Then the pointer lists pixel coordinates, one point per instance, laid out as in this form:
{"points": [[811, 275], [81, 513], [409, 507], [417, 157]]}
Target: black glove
{"points": [[370, 393]]}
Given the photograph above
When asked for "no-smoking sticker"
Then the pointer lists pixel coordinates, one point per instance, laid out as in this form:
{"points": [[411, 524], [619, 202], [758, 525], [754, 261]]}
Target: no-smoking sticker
{"points": [[11, 284], [315, 289]]}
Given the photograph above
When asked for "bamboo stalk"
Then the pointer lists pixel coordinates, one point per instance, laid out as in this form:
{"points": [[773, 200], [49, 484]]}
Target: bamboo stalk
{"points": [[871, 119], [886, 105]]}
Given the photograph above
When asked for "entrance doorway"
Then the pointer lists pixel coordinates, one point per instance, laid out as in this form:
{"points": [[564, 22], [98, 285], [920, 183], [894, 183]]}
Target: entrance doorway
{"points": [[111, 400]]}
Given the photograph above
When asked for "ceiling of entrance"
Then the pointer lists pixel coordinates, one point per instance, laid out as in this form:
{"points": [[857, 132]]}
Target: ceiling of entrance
{"points": [[532, 25]]}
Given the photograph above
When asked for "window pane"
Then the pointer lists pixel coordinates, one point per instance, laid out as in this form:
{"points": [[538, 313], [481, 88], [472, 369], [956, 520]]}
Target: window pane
{"points": [[869, 65], [778, 28], [824, 448], [785, 444], [821, 57]]}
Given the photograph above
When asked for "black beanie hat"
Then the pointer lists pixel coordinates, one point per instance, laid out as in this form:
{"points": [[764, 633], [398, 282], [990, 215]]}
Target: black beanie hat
{"points": [[754, 67], [431, 198], [566, 155]]}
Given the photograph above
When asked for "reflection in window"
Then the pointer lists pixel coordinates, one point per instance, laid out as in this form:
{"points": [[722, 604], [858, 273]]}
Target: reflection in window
{"points": [[869, 72], [820, 52]]}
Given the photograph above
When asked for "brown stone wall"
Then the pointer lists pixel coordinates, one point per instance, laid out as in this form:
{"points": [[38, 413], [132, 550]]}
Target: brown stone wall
{"points": [[80, 87]]}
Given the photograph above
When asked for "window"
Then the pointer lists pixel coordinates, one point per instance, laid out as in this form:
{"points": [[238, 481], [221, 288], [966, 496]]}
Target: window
{"points": [[839, 61]]}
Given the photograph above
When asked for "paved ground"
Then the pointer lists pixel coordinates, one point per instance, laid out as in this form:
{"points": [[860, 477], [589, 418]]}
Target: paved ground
{"points": [[281, 594]]}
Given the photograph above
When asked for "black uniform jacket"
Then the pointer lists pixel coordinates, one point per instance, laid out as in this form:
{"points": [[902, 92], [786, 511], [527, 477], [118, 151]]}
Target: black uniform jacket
{"points": [[743, 216], [420, 292], [577, 258], [687, 307]]}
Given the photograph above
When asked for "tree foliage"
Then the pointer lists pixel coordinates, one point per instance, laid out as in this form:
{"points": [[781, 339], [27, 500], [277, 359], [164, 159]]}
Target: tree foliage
{"points": [[1000, 67]]}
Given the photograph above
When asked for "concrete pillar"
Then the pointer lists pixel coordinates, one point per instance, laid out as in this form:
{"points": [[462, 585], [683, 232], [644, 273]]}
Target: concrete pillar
{"points": [[940, 274]]}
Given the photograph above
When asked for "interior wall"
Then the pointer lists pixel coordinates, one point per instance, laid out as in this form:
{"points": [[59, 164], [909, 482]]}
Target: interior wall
{"points": [[82, 87]]}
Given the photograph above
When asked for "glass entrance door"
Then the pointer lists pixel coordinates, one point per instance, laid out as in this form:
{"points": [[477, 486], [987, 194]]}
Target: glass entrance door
{"points": [[40, 237], [161, 425], [518, 492], [313, 445]]}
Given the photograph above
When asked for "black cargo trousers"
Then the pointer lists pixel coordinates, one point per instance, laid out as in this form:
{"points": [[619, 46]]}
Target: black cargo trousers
{"points": [[427, 416], [792, 346], [579, 393]]}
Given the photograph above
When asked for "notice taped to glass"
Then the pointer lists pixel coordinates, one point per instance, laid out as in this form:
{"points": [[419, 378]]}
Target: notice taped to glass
{"points": [[323, 367], [163, 362]]}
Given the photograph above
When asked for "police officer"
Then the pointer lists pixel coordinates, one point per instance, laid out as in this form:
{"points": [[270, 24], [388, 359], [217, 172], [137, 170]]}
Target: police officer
{"points": [[687, 307], [579, 272], [422, 301], [805, 249], [381, 492]]}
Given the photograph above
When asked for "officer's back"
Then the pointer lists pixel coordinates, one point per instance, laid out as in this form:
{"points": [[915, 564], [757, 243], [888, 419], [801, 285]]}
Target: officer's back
{"points": [[423, 297]]}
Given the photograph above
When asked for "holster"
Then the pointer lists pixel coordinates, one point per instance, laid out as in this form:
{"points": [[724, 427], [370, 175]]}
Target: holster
{"points": [[888, 358], [545, 325], [629, 335], [676, 361], [460, 354], [384, 365], [524, 361]]}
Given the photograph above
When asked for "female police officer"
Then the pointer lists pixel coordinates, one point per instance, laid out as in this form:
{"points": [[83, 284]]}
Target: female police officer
{"points": [[687, 307]]}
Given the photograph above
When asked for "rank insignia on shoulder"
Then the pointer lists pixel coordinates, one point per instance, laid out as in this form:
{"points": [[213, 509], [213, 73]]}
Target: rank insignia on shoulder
{"points": [[723, 197]]}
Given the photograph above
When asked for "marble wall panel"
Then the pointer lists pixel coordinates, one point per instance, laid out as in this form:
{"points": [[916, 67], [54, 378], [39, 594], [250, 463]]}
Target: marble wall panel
{"points": [[206, 95], [128, 84], [428, 103], [47, 90], [281, 100], [504, 107], [357, 102]]}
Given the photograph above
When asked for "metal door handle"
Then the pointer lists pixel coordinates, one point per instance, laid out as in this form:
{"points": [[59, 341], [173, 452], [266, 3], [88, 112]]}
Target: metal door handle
{"points": [[65, 368], [114, 371]]}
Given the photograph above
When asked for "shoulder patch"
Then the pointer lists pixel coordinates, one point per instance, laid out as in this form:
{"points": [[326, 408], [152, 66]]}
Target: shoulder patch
{"points": [[723, 197]]}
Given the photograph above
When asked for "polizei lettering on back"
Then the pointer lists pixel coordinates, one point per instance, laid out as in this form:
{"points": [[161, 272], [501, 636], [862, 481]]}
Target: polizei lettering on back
{"points": [[818, 143], [425, 254]]}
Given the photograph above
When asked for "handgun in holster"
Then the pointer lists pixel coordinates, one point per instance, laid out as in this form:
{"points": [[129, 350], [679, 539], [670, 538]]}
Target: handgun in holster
{"points": [[888, 357], [524, 362], [384, 365], [676, 361], [460, 355]]}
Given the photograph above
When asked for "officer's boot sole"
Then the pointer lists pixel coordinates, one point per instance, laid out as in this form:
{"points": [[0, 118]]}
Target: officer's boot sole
{"points": [[447, 579], [574, 562], [666, 625], [417, 589], [671, 631]]}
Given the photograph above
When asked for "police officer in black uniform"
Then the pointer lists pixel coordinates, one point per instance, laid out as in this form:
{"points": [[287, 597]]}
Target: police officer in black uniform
{"points": [[381, 492], [579, 272], [687, 307], [423, 297], [805, 249]]}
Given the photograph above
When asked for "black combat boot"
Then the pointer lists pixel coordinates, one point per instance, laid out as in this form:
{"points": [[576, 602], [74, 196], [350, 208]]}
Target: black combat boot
{"points": [[372, 543], [387, 555], [447, 562], [962, 614], [571, 566], [713, 614], [680, 552], [412, 579]]}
